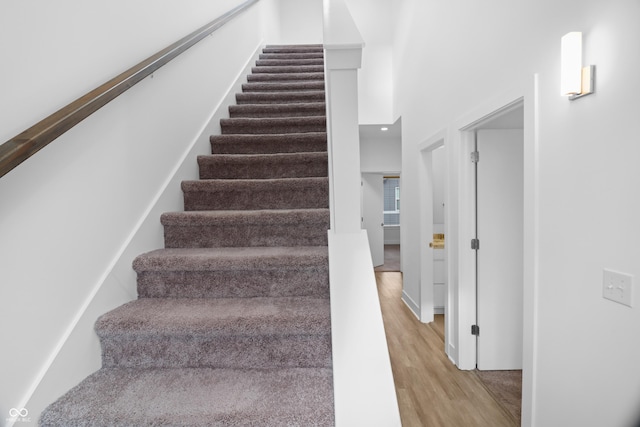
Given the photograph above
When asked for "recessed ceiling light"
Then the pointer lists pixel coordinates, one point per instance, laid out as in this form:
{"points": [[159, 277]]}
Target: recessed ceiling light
{"points": [[384, 129]]}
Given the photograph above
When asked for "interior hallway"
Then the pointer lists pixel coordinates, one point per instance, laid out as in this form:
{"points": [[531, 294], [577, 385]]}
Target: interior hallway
{"points": [[431, 390], [391, 259]]}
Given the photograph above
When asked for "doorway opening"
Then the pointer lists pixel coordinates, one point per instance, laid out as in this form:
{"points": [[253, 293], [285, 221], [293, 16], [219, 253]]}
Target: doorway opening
{"points": [[391, 221], [381, 218], [494, 221], [433, 232]]}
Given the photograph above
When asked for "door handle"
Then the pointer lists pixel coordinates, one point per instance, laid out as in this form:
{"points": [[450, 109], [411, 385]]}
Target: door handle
{"points": [[438, 241]]}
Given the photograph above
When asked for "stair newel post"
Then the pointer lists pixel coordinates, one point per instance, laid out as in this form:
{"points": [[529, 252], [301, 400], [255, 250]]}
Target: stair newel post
{"points": [[343, 46]]}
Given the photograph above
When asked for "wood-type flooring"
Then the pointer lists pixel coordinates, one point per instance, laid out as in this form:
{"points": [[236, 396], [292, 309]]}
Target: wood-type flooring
{"points": [[431, 390]]}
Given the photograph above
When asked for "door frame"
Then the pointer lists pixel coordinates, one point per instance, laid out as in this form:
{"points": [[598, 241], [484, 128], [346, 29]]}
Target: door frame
{"points": [[461, 224], [467, 266], [366, 213], [425, 185]]}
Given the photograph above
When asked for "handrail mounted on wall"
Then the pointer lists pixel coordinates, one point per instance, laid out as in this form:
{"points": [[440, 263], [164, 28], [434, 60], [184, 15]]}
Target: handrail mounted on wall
{"points": [[26, 144]]}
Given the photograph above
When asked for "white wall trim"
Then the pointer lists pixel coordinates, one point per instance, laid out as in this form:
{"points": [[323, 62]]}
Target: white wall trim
{"points": [[531, 251], [425, 185]]}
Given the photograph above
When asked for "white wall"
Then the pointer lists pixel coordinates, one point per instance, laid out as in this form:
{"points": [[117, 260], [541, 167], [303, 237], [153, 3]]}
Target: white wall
{"points": [[380, 155], [375, 84], [581, 351], [73, 217], [300, 21]]}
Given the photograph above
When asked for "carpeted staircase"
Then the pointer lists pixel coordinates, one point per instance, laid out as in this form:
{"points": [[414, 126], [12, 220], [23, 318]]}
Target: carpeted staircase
{"points": [[232, 324]]}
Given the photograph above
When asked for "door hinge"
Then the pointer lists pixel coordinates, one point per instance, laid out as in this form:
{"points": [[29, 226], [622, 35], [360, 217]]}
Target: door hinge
{"points": [[475, 244], [475, 156], [475, 330]]}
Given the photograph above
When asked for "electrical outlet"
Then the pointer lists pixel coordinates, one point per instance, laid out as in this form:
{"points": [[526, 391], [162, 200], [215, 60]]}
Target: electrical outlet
{"points": [[617, 287]]}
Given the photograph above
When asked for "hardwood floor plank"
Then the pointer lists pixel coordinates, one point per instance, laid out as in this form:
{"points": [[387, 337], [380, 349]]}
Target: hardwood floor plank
{"points": [[432, 391]]}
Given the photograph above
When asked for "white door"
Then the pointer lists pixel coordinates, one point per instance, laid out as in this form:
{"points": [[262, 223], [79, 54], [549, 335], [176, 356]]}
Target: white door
{"points": [[372, 214], [500, 257]]}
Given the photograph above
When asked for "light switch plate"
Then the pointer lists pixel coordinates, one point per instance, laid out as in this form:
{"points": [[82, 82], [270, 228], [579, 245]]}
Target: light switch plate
{"points": [[617, 287]]}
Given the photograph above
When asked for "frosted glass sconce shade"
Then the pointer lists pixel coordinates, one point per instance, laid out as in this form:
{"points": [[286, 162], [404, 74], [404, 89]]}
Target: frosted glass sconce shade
{"points": [[575, 81]]}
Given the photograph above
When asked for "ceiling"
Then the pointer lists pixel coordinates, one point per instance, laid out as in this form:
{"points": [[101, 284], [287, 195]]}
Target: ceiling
{"points": [[375, 132], [513, 119]]}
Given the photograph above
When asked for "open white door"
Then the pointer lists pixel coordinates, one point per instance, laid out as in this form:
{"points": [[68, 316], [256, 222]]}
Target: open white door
{"points": [[500, 257], [372, 214]]}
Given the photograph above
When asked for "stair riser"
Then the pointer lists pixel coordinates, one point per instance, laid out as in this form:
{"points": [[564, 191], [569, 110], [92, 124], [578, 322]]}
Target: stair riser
{"points": [[286, 62], [285, 77], [237, 352], [216, 168], [279, 97], [311, 55], [293, 49], [245, 236], [275, 126], [238, 144], [288, 69], [243, 198], [283, 87], [286, 110], [311, 281]]}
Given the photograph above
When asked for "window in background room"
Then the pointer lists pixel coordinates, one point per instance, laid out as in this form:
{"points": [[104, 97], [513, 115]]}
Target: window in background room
{"points": [[391, 200]]}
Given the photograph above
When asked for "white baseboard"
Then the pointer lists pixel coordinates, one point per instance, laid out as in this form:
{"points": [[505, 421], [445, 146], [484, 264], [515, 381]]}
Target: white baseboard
{"points": [[413, 306]]}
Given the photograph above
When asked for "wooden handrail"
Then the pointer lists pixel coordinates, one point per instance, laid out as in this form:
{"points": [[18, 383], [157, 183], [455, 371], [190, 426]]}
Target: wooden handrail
{"points": [[26, 144]]}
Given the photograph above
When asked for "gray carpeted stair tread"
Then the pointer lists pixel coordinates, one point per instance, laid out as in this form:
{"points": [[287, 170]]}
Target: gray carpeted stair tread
{"points": [[284, 77], [218, 317], [273, 125], [278, 110], [249, 194], [292, 55], [280, 97], [197, 397], [263, 166], [263, 217], [207, 229], [285, 62], [288, 69], [243, 258], [264, 144], [290, 48], [228, 272], [260, 332], [292, 86]]}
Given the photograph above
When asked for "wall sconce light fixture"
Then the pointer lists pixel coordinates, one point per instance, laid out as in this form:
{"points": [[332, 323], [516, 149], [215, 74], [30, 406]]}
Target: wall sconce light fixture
{"points": [[576, 81]]}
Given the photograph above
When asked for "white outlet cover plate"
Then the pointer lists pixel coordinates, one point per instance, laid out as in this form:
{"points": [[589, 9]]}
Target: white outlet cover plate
{"points": [[617, 287]]}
